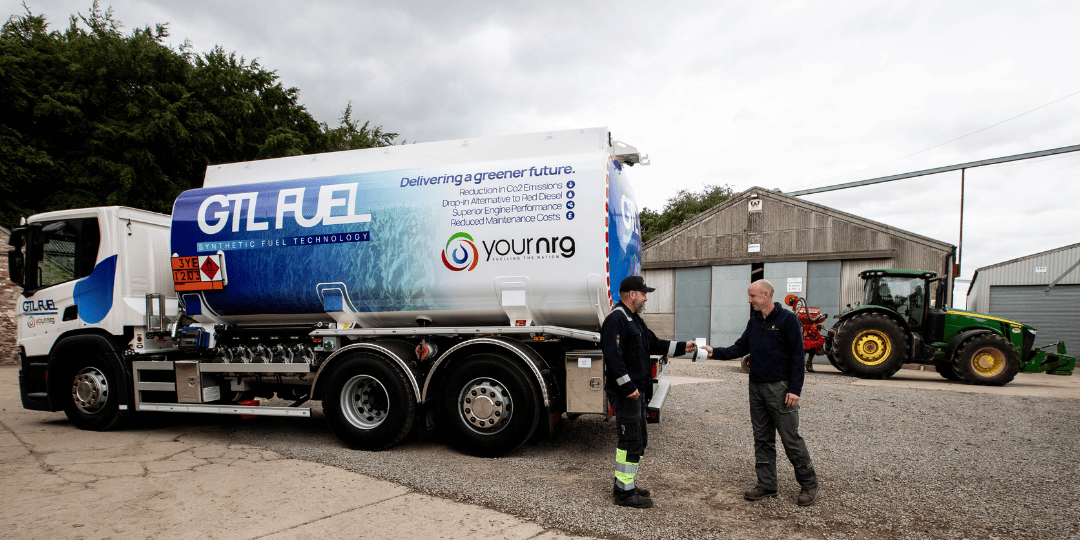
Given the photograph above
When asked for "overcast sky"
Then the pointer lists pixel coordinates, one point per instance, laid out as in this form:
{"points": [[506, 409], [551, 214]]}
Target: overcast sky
{"points": [[785, 95]]}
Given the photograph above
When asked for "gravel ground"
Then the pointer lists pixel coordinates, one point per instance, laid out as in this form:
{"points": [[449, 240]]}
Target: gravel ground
{"points": [[893, 464]]}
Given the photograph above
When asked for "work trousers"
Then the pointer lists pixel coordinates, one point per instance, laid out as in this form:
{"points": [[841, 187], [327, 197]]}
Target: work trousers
{"points": [[769, 415], [632, 437]]}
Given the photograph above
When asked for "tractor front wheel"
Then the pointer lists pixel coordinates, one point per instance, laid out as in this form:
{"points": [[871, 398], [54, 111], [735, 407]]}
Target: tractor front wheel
{"points": [[945, 369], [870, 346], [986, 359]]}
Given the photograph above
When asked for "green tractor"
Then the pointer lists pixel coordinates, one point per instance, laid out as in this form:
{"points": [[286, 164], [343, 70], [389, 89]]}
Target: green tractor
{"points": [[896, 324]]}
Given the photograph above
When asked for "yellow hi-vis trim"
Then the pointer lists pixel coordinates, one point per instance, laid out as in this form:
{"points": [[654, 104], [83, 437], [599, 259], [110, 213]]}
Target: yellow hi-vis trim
{"points": [[624, 471], [980, 316]]}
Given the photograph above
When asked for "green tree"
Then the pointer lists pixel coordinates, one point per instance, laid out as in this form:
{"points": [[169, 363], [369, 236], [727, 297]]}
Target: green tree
{"points": [[350, 135], [683, 206], [92, 117]]}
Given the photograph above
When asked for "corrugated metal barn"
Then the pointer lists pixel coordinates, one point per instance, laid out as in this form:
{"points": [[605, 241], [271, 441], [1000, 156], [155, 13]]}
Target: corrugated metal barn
{"points": [[1017, 290], [702, 268]]}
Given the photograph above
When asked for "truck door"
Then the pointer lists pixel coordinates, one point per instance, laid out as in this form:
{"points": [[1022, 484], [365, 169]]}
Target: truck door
{"points": [[56, 255]]}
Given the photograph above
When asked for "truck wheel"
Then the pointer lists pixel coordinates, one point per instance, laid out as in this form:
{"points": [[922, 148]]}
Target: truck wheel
{"points": [[945, 369], [368, 403], [986, 359], [92, 403], [489, 406], [871, 346]]}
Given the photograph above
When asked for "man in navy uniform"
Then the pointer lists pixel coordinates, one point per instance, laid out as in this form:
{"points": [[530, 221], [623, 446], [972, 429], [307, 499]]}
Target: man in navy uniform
{"points": [[627, 344], [773, 339]]}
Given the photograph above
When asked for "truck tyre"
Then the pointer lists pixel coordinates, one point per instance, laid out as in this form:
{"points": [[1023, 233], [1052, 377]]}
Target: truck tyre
{"points": [[92, 402], [986, 359], [368, 403], [489, 406], [945, 369], [871, 346]]}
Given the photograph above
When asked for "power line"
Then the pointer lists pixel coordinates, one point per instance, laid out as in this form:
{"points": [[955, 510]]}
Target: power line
{"points": [[946, 142]]}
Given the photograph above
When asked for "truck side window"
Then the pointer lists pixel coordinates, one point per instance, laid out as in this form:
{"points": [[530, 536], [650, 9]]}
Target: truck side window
{"points": [[65, 250]]}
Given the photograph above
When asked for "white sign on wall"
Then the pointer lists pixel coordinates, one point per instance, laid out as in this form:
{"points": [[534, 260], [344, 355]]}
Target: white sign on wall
{"points": [[755, 205], [794, 284], [1040, 269], [753, 248]]}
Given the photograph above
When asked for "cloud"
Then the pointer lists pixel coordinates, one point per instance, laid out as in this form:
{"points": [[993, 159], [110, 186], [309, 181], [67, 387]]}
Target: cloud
{"points": [[776, 94]]}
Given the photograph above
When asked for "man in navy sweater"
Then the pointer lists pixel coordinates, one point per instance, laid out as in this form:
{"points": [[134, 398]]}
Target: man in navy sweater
{"points": [[773, 339]]}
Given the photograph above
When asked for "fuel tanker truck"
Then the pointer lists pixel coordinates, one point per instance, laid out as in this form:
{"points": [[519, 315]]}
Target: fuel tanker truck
{"points": [[455, 285]]}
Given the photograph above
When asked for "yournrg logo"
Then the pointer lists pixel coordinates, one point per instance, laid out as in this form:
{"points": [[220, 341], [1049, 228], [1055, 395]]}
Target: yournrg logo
{"points": [[460, 252]]}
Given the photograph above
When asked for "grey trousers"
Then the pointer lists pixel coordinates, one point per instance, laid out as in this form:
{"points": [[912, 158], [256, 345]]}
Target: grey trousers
{"points": [[769, 416]]}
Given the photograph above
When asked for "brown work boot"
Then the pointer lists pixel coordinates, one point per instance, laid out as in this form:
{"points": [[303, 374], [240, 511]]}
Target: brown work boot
{"points": [[758, 493], [807, 496], [633, 500]]}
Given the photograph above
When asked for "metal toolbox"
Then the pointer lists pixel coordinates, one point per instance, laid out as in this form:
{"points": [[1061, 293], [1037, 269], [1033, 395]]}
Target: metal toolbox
{"points": [[585, 382], [194, 386]]}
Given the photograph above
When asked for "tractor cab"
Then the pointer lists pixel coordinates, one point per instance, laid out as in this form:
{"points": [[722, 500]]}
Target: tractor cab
{"points": [[905, 292]]}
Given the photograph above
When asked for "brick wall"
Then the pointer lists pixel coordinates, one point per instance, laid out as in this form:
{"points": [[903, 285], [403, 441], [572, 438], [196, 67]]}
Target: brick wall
{"points": [[9, 293]]}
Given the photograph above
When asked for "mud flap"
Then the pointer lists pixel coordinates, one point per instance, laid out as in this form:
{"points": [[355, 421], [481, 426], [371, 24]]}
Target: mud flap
{"points": [[657, 402]]}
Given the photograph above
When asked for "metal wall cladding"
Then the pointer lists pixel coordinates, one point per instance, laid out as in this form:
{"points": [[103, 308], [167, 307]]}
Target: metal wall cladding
{"points": [[787, 228], [662, 300], [1038, 269], [1053, 315], [851, 285]]}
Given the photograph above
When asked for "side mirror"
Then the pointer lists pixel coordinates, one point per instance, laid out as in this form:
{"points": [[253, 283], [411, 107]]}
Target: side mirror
{"points": [[15, 267]]}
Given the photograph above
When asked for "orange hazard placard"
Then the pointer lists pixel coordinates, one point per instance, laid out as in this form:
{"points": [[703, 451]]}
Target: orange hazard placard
{"points": [[198, 273]]}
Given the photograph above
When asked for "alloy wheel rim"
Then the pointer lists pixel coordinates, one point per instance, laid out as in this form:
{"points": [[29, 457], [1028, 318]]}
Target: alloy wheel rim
{"points": [[485, 405], [871, 347], [988, 362], [90, 390], [365, 402]]}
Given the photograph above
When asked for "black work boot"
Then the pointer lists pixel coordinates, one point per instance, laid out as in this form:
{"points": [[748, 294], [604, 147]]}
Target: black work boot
{"points": [[640, 490], [632, 499]]}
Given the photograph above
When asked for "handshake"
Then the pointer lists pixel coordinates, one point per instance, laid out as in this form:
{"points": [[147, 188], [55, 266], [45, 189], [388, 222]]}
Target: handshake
{"points": [[703, 351]]}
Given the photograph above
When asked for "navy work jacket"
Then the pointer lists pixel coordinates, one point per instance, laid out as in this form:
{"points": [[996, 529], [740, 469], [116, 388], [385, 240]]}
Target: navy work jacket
{"points": [[627, 344], [775, 346]]}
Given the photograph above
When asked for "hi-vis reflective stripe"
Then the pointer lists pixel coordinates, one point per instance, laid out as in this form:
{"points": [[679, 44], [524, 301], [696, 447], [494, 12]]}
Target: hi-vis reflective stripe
{"points": [[622, 380], [624, 479], [671, 349]]}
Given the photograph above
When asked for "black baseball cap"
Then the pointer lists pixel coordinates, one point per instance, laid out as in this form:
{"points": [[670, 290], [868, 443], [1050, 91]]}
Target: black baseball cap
{"points": [[635, 283]]}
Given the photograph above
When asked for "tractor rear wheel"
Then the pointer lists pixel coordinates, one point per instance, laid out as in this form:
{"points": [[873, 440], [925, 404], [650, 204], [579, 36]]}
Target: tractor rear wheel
{"points": [[870, 346], [832, 360], [830, 348], [986, 359]]}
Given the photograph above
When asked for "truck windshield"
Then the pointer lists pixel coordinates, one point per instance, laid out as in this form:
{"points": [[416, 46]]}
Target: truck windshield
{"points": [[61, 251]]}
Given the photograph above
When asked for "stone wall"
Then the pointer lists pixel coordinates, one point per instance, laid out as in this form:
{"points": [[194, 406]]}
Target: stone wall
{"points": [[9, 293]]}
